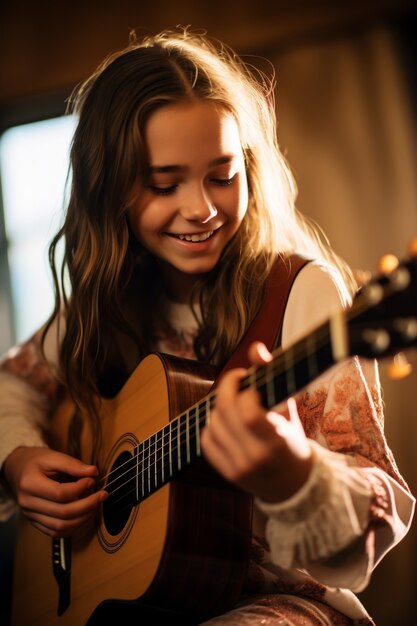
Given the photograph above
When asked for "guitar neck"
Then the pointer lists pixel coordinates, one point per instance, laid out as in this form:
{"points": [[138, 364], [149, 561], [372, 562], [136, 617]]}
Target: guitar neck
{"points": [[167, 452], [291, 370]]}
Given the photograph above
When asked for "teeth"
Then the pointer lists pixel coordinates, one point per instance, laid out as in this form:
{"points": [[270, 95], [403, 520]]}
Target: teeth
{"points": [[199, 237]]}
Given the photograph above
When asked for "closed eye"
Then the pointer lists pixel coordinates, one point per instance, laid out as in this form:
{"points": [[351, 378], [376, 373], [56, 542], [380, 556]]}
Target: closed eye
{"points": [[162, 191], [223, 182]]}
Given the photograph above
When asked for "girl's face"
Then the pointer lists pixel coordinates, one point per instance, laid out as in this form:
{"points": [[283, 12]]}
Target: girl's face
{"points": [[196, 194]]}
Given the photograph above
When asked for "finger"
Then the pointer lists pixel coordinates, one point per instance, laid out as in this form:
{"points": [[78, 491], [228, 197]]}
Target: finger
{"points": [[220, 459], [55, 491], [259, 354], [65, 464], [220, 439], [69, 511], [286, 420], [231, 379], [228, 388], [233, 456], [238, 413], [281, 424], [293, 412], [288, 425], [58, 528], [240, 441], [226, 418], [290, 412]]}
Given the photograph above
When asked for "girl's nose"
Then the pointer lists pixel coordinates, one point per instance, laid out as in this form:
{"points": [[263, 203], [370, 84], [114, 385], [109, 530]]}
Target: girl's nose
{"points": [[197, 207]]}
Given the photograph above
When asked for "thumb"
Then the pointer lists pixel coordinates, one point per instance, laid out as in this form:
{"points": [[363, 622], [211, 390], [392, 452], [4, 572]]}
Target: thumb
{"points": [[293, 412], [69, 465]]}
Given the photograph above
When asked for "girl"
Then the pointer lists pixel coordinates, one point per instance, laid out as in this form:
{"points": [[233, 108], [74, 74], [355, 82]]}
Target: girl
{"points": [[180, 205]]}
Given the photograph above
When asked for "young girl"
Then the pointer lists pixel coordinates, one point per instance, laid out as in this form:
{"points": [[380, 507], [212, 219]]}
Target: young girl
{"points": [[180, 205]]}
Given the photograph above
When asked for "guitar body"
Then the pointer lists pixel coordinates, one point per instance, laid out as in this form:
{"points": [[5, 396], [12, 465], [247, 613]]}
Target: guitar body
{"points": [[182, 549]]}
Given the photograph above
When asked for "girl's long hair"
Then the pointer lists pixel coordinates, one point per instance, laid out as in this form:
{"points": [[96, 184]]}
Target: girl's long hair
{"points": [[103, 265]]}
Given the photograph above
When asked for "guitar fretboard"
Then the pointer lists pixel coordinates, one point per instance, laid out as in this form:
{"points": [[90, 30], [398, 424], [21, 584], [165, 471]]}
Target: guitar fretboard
{"points": [[158, 459]]}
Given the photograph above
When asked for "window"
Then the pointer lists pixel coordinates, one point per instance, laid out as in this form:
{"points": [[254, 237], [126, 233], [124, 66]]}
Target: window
{"points": [[33, 166]]}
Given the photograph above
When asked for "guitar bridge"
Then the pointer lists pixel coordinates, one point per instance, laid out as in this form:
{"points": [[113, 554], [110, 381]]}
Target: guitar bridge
{"points": [[61, 566]]}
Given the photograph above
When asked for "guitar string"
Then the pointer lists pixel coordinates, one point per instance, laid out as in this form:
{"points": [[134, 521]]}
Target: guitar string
{"points": [[151, 474]]}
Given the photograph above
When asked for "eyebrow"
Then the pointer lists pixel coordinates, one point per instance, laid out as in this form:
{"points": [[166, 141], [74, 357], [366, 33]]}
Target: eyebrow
{"points": [[166, 169]]}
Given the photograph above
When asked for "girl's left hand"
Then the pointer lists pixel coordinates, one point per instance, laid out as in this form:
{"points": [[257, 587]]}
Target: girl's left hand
{"points": [[263, 452]]}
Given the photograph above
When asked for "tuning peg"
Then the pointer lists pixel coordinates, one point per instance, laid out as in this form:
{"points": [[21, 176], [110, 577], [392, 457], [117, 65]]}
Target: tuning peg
{"points": [[400, 367], [388, 263], [412, 248]]}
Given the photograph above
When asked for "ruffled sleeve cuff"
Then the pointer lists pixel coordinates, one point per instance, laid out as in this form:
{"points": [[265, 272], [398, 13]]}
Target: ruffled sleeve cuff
{"points": [[328, 513]]}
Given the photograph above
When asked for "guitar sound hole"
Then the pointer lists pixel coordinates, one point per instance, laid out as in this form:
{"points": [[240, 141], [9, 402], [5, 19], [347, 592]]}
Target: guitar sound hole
{"points": [[121, 487]]}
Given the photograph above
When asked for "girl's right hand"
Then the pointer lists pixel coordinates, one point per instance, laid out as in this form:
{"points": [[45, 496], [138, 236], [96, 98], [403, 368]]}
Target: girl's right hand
{"points": [[53, 489]]}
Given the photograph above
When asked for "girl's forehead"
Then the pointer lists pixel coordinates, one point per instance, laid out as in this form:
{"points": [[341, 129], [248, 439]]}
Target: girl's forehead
{"points": [[190, 130]]}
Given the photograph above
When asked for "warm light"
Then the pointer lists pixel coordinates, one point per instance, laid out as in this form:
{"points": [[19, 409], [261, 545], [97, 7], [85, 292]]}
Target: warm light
{"points": [[412, 248], [388, 263], [399, 367]]}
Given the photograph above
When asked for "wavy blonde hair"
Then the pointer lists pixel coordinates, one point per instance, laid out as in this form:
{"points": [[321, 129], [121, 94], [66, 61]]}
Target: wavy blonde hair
{"points": [[102, 261]]}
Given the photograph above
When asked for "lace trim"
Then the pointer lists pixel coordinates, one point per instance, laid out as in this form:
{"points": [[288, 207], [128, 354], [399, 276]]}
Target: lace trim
{"points": [[320, 519]]}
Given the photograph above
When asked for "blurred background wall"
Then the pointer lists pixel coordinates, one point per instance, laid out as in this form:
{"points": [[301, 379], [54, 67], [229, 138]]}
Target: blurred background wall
{"points": [[346, 105]]}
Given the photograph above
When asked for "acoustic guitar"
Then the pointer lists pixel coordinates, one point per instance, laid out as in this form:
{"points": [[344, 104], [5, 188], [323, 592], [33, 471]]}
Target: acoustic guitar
{"points": [[173, 534]]}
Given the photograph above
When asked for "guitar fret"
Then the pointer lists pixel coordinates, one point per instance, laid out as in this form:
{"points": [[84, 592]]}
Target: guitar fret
{"points": [[209, 401], [144, 457], [149, 466], [311, 356], [163, 456], [187, 436], [270, 389], [156, 457], [289, 371], [179, 443], [141, 471], [252, 378], [197, 431], [170, 450], [176, 465], [151, 463], [137, 456]]}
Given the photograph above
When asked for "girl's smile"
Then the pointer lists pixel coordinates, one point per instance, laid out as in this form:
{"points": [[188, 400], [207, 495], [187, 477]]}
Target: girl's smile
{"points": [[195, 195], [194, 237], [197, 241]]}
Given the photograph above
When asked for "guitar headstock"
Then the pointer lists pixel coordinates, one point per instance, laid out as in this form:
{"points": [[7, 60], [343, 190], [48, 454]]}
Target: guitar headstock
{"points": [[383, 319]]}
